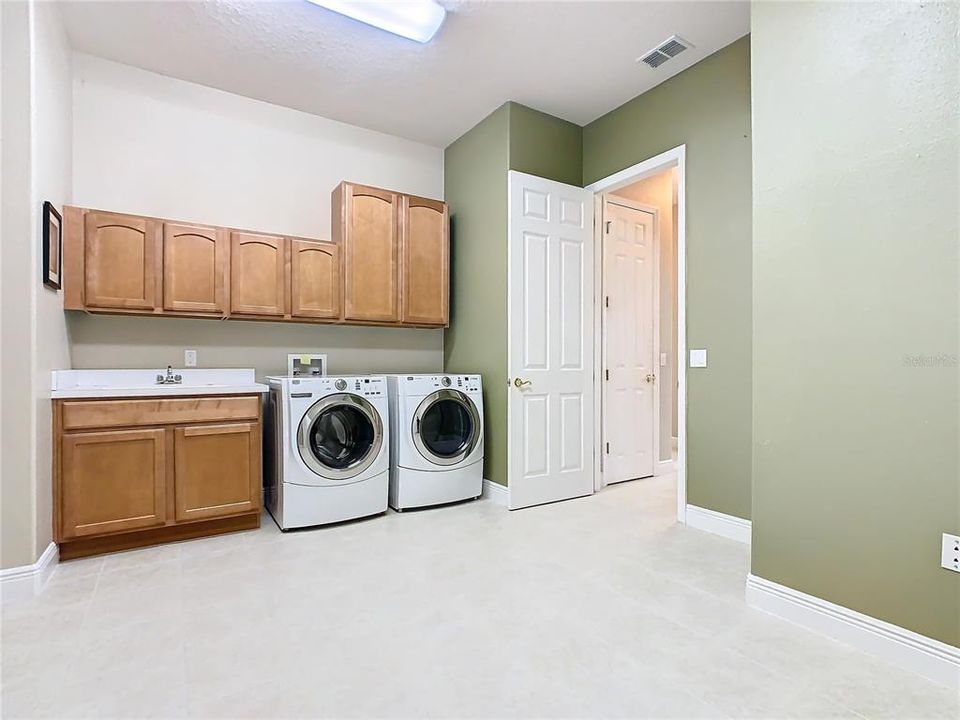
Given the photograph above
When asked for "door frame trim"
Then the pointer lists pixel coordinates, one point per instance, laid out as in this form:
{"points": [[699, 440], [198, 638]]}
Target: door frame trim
{"points": [[605, 199], [673, 158]]}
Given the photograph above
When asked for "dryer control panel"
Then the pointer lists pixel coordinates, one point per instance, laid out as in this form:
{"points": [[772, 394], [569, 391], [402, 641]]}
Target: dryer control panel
{"points": [[367, 386], [424, 384]]}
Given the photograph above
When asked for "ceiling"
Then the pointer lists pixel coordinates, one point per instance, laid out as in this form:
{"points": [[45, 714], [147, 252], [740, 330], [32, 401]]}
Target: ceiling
{"points": [[575, 60]]}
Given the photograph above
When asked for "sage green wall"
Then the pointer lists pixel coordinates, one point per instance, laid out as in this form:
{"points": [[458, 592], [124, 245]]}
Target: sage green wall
{"points": [[544, 145], [475, 186], [856, 305], [513, 137], [706, 108]]}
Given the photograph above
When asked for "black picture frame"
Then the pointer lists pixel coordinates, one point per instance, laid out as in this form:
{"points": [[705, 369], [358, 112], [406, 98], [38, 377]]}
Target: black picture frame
{"points": [[52, 246]]}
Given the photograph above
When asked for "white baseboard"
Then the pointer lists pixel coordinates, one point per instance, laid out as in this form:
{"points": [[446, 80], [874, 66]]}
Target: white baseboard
{"points": [[717, 523], [27, 581], [904, 648], [496, 492]]}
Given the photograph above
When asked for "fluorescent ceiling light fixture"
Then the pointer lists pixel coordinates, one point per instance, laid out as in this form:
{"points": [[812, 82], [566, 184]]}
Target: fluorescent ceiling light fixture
{"points": [[415, 19]]}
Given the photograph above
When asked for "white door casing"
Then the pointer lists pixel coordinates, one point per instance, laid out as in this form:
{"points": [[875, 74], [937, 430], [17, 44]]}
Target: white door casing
{"points": [[630, 340], [550, 449]]}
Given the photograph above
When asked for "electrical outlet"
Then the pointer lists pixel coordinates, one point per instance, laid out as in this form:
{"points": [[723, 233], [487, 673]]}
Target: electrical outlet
{"points": [[950, 558], [189, 358]]}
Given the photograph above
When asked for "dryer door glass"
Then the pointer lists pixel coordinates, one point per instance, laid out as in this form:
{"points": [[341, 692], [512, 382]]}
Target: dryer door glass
{"points": [[447, 428], [341, 437]]}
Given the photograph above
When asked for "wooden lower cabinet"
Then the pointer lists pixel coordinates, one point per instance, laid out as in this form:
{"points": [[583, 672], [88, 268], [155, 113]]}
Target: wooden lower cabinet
{"points": [[112, 481], [191, 472], [217, 470]]}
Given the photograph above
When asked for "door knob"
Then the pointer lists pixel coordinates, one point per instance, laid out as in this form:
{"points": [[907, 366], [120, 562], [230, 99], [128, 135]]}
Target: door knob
{"points": [[517, 382], [651, 378]]}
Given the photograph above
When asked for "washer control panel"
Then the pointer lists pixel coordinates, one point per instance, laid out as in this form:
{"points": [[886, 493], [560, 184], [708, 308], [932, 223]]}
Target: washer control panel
{"points": [[367, 386]]}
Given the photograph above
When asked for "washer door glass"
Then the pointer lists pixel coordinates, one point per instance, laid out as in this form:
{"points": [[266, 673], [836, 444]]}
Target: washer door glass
{"points": [[447, 427], [341, 436]]}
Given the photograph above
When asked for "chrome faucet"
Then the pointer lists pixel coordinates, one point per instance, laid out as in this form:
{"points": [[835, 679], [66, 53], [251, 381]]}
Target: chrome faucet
{"points": [[170, 378]]}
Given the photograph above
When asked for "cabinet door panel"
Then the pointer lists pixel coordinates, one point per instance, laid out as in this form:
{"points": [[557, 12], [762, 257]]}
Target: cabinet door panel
{"points": [[258, 274], [120, 261], [194, 262], [370, 241], [315, 279], [112, 481], [425, 262], [217, 470]]}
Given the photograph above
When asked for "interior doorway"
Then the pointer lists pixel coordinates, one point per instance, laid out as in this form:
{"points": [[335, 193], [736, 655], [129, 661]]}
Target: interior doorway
{"points": [[640, 398], [631, 342]]}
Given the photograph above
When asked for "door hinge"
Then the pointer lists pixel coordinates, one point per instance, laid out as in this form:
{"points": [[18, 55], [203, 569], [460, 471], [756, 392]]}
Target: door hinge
{"points": [[608, 448], [606, 226], [606, 301], [606, 374]]}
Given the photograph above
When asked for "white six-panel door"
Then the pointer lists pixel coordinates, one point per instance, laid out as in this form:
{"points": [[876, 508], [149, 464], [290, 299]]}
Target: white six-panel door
{"points": [[550, 353], [629, 374]]}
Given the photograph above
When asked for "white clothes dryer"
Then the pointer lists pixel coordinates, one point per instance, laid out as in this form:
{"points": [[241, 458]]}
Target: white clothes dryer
{"points": [[436, 443]]}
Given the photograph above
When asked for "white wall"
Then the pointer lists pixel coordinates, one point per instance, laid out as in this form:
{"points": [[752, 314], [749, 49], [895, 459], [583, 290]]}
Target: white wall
{"points": [[148, 144], [16, 313], [52, 159], [36, 167]]}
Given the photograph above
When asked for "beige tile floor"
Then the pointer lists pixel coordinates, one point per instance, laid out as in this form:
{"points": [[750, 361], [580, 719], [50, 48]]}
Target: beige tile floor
{"points": [[599, 607]]}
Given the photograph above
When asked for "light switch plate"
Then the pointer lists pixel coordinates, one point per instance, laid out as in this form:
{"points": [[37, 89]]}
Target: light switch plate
{"points": [[698, 358], [189, 358], [950, 556]]}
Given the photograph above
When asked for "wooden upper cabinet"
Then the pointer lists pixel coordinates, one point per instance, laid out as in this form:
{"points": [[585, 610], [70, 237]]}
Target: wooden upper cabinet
{"points": [[194, 268], [121, 263], [217, 470], [388, 264], [366, 224], [314, 279], [112, 481], [425, 261], [258, 272]]}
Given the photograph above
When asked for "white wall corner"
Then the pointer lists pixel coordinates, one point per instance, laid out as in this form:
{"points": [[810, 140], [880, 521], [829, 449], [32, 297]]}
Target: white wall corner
{"points": [[27, 581], [496, 492], [904, 648], [711, 521]]}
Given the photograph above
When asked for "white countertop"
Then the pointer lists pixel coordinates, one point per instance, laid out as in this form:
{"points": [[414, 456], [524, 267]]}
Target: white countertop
{"points": [[143, 383]]}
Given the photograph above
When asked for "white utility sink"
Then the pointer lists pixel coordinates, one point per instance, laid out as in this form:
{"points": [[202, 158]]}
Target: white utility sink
{"points": [[143, 383]]}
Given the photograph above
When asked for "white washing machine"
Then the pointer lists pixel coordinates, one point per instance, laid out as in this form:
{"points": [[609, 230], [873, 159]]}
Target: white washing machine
{"points": [[436, 447], [328, 455]]}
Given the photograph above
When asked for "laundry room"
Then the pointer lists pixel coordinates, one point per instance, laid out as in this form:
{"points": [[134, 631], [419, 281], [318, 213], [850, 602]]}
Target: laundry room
{"points": [[468, 359]]}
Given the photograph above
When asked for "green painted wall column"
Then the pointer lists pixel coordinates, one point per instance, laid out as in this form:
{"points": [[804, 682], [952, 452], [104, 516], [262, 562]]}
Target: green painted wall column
{"points": [[475, 187], [513, 137], [856, 300]]}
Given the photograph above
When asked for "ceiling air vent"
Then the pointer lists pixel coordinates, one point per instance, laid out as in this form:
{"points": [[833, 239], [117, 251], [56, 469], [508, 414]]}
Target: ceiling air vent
{"points": [[671, 47]]}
